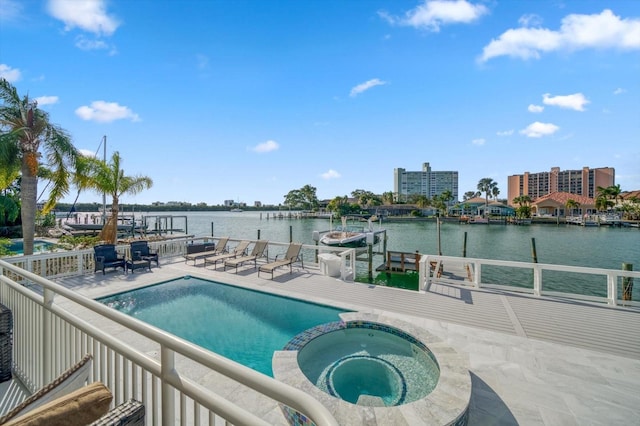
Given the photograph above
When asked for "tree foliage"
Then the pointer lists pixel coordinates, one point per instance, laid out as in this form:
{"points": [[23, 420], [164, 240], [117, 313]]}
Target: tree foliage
{"points": [[109, 178], [28, 140], [524, 206], [489, 187], [304, 198]]}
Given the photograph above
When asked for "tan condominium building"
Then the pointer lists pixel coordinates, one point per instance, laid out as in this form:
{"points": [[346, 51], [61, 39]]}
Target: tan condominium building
{"points": [[583, 182]]}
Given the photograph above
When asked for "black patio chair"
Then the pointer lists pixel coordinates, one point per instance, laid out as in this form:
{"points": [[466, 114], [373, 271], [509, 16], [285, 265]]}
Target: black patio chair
{"points": [[106, 256], [141, 250]]}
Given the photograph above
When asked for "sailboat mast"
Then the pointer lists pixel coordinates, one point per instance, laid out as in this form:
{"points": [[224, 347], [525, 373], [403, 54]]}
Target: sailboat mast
{"points": [[104, 195]]}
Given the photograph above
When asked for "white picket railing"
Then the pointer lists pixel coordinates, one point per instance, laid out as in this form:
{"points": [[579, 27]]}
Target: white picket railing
{"points": [[468, 271], [49, 339]]}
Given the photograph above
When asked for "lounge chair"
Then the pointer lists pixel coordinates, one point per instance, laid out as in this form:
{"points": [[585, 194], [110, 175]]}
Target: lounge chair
{"points": [[141, 250], [208, 251], [258, 251], [292, 255], [106, 256], [240, 249]]}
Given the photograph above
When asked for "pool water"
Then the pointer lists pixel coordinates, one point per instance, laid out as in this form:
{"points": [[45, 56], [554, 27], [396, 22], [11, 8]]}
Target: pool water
{"points": [[38, 246], [244, 325], [355, 362]]}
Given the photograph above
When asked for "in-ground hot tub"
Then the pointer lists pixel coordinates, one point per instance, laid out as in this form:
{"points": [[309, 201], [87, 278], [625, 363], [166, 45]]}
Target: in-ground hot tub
{"points": [[368, 367]]}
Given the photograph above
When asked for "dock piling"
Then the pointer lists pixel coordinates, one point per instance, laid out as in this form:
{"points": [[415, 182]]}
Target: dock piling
{"points": [[534, 253], [464, 245]]}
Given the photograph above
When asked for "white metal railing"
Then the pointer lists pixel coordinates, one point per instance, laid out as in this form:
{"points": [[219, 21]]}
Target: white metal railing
{"points": [[61, 264], [48, 339], [468, 271]]}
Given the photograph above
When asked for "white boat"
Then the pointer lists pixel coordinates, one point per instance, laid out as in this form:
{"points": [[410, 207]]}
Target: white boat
{"points": [[236, 210], [347, 235]]}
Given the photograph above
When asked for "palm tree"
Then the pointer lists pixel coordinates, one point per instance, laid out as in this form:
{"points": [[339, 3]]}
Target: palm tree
{"points": [[487, 186], [109, 178], [446, 197], [571, 205], [495, 192], [524, 206], [611, 194], [25, 130], [603, 203], [387, 197], [422, 201], [470, 194]]}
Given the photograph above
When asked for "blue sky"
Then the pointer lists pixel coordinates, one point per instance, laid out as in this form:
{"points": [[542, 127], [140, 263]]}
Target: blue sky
{"points": [[247, 100]]}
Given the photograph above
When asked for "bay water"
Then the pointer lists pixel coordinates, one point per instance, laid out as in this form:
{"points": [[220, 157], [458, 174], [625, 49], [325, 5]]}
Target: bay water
{"points": [[597, 247]]}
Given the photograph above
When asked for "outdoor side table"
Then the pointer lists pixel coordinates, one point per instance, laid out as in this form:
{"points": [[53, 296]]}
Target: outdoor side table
{"points": [[6, 343]]}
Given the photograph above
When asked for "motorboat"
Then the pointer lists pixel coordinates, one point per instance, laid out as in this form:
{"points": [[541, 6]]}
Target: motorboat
{"points": [[236, 210], [347, 235]]}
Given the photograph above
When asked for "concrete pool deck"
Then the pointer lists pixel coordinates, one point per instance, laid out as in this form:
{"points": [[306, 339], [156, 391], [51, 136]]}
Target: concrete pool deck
{"points": [[533, 361]]}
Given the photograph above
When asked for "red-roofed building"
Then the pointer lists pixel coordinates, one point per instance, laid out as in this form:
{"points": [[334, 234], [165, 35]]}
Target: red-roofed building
{"points": [[555, 205]]}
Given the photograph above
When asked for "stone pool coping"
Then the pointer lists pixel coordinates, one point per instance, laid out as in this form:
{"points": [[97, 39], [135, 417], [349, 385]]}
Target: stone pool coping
{"points": [[447, 404]]}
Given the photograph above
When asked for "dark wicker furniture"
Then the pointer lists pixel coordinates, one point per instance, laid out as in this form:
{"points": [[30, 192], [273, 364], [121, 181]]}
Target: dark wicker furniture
{"points": [[6, 343], [106, 256], [141, 249]]}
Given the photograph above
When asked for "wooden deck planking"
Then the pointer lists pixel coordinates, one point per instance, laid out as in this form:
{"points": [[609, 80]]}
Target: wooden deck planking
{"points": [[580, 324]]}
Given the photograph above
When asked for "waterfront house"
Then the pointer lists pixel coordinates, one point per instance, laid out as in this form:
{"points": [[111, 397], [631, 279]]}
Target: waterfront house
{"points": [[476, 207], [554, 204]]}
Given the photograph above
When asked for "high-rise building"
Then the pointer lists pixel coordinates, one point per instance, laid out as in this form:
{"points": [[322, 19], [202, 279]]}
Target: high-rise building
{"points": [[425, 182], [580, 182]]}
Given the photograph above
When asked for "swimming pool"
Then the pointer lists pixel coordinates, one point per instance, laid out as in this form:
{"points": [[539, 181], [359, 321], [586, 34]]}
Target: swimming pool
{"points": [[38, 246], [244, 325]]}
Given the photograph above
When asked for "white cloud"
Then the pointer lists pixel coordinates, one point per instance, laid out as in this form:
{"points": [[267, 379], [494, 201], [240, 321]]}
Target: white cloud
{"points": [[535, 108], [84, 43], [432, 14], [366, 86], [330, 174], [538, 130], [478, 142], [47, 100], [267, 146], [577, 101], [106, 112], [530, 20], [87, 153], [88, 15], [10, 74], [601, 31], [619, 91], [505, 132]]}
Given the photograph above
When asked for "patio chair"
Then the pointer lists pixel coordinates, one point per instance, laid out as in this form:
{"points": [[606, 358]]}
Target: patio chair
{"points": [[258, 251], [141, 250], [69, 400], [207, 250], [292, 255], [240, 249], [106, 256]]}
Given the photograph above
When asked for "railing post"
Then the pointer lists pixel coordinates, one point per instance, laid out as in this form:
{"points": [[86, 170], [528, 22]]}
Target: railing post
{"points": [[477, 274], [427, 272], [167, 369], [537, 279], [47, 348], [612, 293]]}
